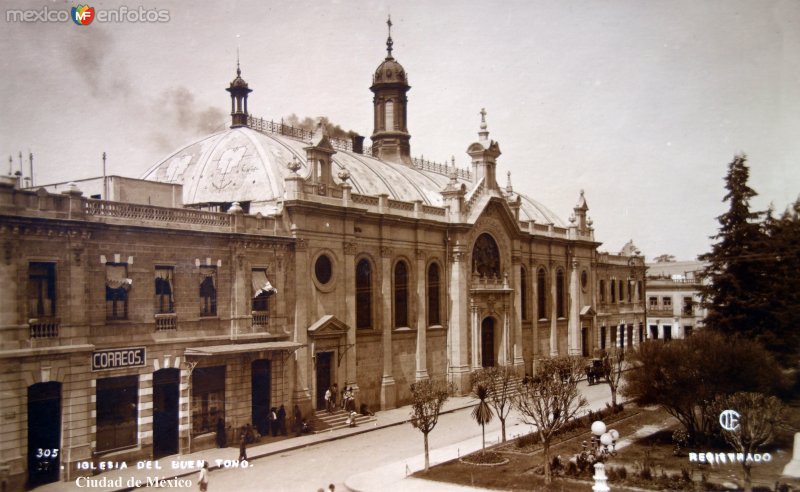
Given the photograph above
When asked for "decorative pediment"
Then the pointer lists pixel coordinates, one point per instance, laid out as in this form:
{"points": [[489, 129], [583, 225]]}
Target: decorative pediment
{"points": [[495, 209], [588, 312], [328, 326]]}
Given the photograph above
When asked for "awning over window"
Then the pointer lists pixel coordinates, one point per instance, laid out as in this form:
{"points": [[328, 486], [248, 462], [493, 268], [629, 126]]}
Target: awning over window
{"points": [[240, 348], [261, 284], [116, 277]]}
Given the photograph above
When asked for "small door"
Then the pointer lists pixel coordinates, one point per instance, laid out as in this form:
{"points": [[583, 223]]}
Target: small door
{"points": [[44, 433], [261, 385], [324, 367], [487, 342], [585, 341], [166, 396]]}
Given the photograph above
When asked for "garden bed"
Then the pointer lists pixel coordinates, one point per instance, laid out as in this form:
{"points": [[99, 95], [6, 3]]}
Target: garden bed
{"points": [[646, 439]]}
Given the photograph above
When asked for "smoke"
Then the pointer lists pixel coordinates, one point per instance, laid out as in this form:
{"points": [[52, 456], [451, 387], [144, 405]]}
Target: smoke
{"points": [[332, 129], [88, 52], [181, 118]]}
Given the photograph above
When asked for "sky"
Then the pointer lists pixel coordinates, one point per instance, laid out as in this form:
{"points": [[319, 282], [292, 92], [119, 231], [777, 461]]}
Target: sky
{"points": [[642, 104]]}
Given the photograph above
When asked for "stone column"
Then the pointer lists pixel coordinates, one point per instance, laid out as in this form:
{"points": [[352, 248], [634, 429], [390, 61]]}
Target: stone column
{"points": [[350, 316], [574, 313], [534, 316], [387, 382], [475, 332], [422, 319], [304, 363], [517, 360], [459, 363], [553, 312]]}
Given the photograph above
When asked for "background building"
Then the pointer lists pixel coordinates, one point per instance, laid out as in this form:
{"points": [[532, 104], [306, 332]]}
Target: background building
{"points": [[264, 263], [673, 299]]}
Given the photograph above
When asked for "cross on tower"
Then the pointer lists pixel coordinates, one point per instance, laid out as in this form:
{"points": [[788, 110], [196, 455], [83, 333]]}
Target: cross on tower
{"points": [[483, 115], [389, 41]]}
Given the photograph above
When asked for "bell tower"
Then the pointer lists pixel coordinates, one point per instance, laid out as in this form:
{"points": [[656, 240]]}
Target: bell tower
{"points": [[390, 138]]}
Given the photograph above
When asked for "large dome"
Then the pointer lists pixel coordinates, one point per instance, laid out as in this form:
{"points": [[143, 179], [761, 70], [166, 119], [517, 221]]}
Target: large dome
{"points": [[245, 165]]}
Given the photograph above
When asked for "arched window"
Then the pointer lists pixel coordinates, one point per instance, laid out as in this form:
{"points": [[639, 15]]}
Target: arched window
{"points": [[541, 293], [613, 284], [434, 293], [602, 289], [560, 307], [620, 287], [400, 295], [389, 113], [631, 285], [486, 257], [364, 294], [523, 292]]}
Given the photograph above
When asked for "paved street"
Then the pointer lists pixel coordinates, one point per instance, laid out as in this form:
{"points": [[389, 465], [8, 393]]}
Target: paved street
{"points": [[372, 457]]}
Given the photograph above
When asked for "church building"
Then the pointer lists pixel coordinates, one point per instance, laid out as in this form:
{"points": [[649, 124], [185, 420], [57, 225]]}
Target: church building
{"points": [[262, 264]]}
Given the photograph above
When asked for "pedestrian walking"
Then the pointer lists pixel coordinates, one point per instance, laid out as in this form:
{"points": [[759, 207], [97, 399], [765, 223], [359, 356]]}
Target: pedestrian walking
{"points": [[222, 440], [243, 444], [328, 402], [282, 420], [202, 479], [273, 418], [331, 487]]}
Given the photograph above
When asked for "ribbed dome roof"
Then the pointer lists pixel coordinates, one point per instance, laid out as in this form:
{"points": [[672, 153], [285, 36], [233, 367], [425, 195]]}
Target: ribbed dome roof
{"points": [[245, 165], [390, 72]]}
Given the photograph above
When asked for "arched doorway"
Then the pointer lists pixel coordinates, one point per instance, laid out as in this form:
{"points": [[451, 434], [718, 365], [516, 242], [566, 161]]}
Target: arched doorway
{"points": [[585, 341], [44, 433], [487, 342], [166, 399], [324, 376]]}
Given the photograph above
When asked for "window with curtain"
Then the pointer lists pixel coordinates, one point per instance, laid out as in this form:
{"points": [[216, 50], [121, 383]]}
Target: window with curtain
{"points": [[602, 289], [208, 291], [400, 295], [117, 286], [164, 290], [434, 295], [262, 289], [41, 289], [364, 294]]}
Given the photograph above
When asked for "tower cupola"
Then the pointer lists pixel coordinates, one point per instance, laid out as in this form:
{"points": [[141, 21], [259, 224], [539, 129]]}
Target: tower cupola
{"points": [[390, 138], [239, 91]]}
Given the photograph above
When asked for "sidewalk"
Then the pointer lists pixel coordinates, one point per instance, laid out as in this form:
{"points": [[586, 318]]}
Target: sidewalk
{"points": [[163, 468]]}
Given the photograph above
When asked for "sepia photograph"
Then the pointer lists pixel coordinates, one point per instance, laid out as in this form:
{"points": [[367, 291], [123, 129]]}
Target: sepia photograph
{"points": [[422, 246]]}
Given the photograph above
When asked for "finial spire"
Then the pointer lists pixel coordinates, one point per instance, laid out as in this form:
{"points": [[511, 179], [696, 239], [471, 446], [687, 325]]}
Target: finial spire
{"points": [[484, 133], [238, 70], [389, 41]]}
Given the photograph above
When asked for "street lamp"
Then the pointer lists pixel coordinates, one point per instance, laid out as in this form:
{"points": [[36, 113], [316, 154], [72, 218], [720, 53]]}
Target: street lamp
{"points": [[604, 441]]}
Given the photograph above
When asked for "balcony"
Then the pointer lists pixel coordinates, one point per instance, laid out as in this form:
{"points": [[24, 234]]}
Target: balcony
{"points": [[166, 322], [260, 320], [44, 327]]}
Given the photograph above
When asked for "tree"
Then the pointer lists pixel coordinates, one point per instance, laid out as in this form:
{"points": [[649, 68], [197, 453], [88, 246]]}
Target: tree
{"points": [[428, 396], [664, 258], [613, 361], [731, 292], [759, 418], [781, 258], [501, 382], [684, 376], [482, 413], [550, 400]]}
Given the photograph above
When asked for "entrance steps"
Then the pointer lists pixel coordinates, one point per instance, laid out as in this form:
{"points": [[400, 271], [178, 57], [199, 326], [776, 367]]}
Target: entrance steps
{"points": [[324, 421]]}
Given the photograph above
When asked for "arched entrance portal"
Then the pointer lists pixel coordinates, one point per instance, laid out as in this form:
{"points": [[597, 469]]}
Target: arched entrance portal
{"points": [[44, 433], [487, 342]]}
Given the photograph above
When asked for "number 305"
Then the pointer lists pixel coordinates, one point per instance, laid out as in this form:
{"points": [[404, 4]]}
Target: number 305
{"points": [[46, 453]]}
